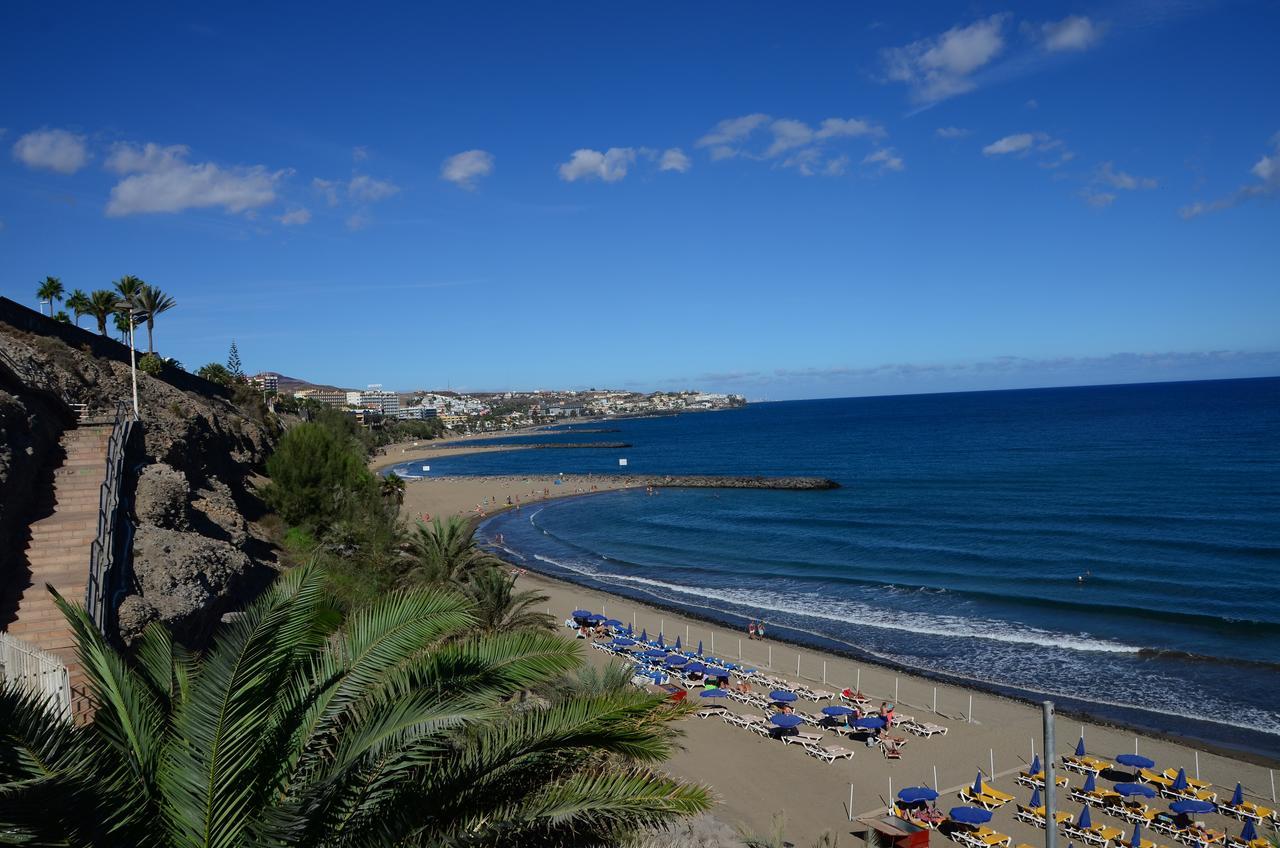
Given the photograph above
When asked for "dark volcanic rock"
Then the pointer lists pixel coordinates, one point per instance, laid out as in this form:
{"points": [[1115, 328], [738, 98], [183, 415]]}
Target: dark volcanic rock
{"points": [[185, 577], [162, 496]]}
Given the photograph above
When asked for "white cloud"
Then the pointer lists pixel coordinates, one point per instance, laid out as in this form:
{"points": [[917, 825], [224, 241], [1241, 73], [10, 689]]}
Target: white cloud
{"points": [[806, 161], [1108, 175], [327, 188], [1032, 104], [951, 132], [731, 131], [674, 159], [787, 134], [1098, 199], [940, 67], [837, 166], [357, 221], [365, 189], [1010, 144], [609, 166], [359, 153], [295, 217], [886, 158], [463, 169], [1071, 33], [160, 179], [848, 128], [53, 150], [1266, 169]]}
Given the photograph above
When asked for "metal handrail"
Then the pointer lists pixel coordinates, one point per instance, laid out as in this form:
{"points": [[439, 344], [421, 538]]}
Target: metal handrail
{"points": [[104, 555]]}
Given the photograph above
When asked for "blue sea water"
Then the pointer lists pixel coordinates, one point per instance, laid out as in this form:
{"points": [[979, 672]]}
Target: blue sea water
{"points": [[959, 536]]}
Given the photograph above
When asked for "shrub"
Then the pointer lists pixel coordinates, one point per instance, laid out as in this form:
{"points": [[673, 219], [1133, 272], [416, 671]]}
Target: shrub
{"points": [[151, 364], [315, 474]]}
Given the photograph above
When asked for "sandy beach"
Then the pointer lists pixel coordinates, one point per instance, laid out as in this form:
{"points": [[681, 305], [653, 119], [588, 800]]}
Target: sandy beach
{"points": [[755, 778]]}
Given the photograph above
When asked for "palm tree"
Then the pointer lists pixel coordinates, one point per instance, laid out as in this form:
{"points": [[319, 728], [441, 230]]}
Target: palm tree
{"points": [[50, 290], [445, 553], [393, 727], [392, 486], [78, 302], [129, 287], [102, 304], [151, 301], [121, 321], [500, 608]]}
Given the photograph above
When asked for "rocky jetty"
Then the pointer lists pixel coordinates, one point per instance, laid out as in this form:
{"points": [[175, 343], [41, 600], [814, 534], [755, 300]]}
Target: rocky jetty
{"points": [[193, 549]]}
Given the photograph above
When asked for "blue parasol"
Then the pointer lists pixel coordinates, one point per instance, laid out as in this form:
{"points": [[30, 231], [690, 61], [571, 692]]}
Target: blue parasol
{"points": [[785, 720], [969, 815], [653, 653], [1035, 766], [976, 789], [676, 659], [837, 710], [695, 668], [1136, 840], [581, 614], [1084, 821], [699, 647], [1237, 797], [713, 693], [869, 722], [916, 794], [595, 617], [644, 635], [1189, 807], [661, 642], [678, 648], [782, 696], [622, 643], [612, 622], [1080, 747], [1129, 789], [1135, 761], [1035, 799], [1249, 833], [1091, 783]]}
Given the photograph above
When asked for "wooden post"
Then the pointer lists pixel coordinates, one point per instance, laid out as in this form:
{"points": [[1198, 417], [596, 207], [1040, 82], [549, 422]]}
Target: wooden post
{"points": [[1197, 764], [935, 700], [850, 802], [969, 718], [797, 666], [895, 691], [739, 647]]}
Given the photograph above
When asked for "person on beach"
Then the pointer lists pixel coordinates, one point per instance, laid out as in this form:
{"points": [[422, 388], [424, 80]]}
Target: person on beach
{"points": [[760, 629], [751, 629]]}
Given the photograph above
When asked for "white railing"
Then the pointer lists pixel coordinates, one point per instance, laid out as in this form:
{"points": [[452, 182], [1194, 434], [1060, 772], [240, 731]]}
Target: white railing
{"points": [[38, 672]]}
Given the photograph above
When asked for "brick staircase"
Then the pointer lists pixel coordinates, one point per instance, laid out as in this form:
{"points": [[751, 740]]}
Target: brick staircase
{"points": [[58, 550]]}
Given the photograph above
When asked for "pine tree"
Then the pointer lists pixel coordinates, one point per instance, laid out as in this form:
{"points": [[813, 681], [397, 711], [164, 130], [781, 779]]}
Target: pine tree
{"points": [[233, 362]]}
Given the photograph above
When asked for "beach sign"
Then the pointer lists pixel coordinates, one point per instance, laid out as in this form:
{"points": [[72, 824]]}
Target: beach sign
{"points": [[622, 463]]}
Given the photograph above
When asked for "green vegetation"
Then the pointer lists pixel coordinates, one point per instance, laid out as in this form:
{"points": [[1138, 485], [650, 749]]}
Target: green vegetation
{"points": [[102, 305], [316, 476], [151, 364], [400, 723], [233, 362], [150, 301], [216, 372], [49, 291], [78, 303]]}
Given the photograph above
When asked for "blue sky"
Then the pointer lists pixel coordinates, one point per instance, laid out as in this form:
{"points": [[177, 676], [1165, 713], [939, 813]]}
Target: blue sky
{"points": [[784, 202]]}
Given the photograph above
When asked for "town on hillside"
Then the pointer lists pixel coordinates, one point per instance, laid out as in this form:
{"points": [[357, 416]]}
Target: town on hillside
{"points": [[492, 411]]}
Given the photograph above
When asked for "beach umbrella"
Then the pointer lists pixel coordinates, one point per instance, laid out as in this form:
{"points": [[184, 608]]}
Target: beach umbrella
{"points": [[782, 696], [1135, 761], [785, 720], [678, 648], [1080, 747], [869, 722], [712, 671], [969, 815], [977, 785], [695, 668], [1190, 807], [622, 643], [581, 614], [837, 710], [612, 622], [661, 641], [1084, 821], [713, 693], [1035, 765], [1035, 799], [1249, 833], [653, 653], [595, 617], [699, 647], [1136, 839], [1237, 797], [676, 659], [1128, 789], [1091, 783], [1180, 782], [916, 794], [644, 635]]}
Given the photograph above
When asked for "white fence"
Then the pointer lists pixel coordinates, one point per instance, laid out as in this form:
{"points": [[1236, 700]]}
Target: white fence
{"points": [[38, 672]]}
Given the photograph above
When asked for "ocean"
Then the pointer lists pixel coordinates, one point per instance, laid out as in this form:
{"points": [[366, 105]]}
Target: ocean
{"points": [[1116, 548]]}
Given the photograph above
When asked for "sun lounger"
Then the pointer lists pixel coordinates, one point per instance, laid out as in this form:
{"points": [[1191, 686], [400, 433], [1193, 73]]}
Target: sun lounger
{"points": [[713, 710], [1237, 842], [1036, 780], [991, 838], [1107, 833], [1189, 794], [1089, 835], [1202, 836], [1154, 778], [1085, 764], [735, 719], [990, 798], [892, 749], [821, 695], [1096, 798], [1171, 774], [760, 728], [828, 754], [1168, 828], [1035, 816], [1248, 811], [803, 739], [922, 728]]}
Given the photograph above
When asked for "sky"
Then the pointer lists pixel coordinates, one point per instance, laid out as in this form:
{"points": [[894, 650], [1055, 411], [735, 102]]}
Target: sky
{"points": [[778, 200]]}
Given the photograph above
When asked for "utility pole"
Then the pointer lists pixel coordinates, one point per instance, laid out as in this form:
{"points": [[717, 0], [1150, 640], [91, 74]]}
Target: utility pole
{"points": [[1050, 781]]}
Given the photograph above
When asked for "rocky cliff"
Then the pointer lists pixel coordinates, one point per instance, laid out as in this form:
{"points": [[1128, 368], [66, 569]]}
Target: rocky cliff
{"points": [[193, 550]]}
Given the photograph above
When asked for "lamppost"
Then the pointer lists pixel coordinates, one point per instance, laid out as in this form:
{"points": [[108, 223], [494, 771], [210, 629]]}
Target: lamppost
{"points": [[134, 313]]}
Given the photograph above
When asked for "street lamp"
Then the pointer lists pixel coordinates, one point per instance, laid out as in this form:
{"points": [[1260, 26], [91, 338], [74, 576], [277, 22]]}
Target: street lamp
{"points": [[134, 314]]}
